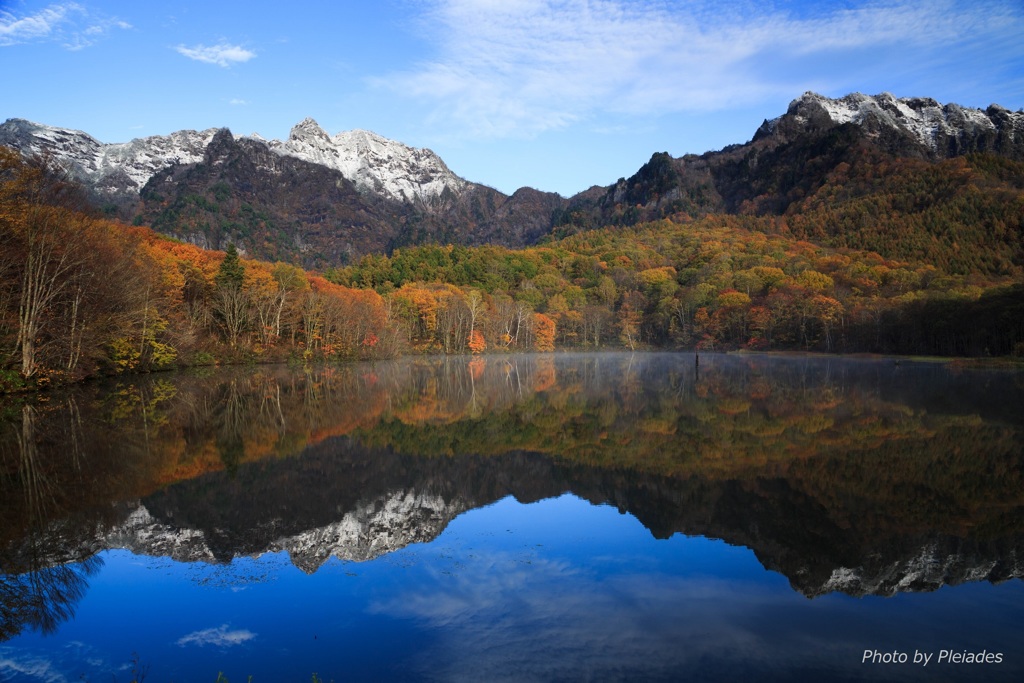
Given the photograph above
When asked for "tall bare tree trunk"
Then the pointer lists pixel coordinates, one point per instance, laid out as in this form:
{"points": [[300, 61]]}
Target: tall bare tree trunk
{"points": [[48, 262]]}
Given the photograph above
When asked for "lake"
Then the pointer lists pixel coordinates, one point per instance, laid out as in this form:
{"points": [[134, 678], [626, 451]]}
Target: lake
{"points": [[566, 517]]}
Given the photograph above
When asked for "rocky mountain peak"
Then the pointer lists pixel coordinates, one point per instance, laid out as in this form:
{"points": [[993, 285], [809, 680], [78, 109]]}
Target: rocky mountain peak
{"points": [[919, 126], [308, 130], [118, 169], [374, 163], [374, 527]]}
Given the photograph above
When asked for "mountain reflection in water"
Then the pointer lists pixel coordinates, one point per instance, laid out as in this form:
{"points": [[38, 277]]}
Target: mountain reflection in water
{"points": [[857, 476]]}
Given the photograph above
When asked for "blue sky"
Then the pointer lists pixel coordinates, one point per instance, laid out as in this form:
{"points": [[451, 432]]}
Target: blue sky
{"points": [[556, 94]]}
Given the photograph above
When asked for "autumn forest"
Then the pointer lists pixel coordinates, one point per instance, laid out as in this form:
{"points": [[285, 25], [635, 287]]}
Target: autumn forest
{"points": [[82, 295]]}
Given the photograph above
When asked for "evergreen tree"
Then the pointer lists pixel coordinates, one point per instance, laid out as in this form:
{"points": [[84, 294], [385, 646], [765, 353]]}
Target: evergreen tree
{"points": [[231, 272], [231, 303]]}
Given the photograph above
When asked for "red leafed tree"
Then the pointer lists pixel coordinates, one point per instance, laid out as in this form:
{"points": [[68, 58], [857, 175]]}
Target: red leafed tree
{"points": [[476, 341]]}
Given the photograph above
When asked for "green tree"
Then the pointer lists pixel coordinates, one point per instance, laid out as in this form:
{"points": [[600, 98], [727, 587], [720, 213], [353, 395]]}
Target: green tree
{"points": [[231, 272], [231, 302]]}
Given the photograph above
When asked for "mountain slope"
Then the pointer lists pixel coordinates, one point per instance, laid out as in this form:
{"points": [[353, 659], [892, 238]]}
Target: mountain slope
{"points": [[906, 177], [903, 177], [279, 207], [313, 199]]}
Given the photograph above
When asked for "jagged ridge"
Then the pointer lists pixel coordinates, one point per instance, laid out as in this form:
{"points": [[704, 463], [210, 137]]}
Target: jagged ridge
{"points": [[939, 131], [372, 529], [372, 162], [117, 168]]}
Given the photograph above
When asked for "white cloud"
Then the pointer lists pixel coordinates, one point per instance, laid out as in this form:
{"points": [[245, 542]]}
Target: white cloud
{"points": [[222, 54], [218, 637], [519, 68], [69, 24], [34, 667], [43, 24], [236, 101]]}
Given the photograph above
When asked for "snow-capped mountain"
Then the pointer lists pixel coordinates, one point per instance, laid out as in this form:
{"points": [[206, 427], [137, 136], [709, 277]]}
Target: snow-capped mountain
{"points": [[141, 533], [111, 168], [393, 170], [373, 163], [375, 528], [356, 504], [943, 130]]}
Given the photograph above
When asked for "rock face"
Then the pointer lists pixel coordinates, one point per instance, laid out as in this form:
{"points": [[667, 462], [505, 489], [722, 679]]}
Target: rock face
{"points": [[118, 170], [905, 126], [144, 535], [936, 563], [373, 529], [374, 163]]}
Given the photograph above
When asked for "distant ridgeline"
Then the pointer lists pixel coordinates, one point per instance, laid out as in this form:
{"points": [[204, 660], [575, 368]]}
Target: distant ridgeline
{"points": [[859, 224]]}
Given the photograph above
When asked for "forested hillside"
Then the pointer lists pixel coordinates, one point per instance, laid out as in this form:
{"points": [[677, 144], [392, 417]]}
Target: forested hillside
{"points": [[81, 295], [722, 282], [964, 214], [906, 178]]}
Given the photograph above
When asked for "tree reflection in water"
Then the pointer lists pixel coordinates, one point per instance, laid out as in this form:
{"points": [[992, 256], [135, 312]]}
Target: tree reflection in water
{"points": [[817, 465], [44, 597], [44, 580]]}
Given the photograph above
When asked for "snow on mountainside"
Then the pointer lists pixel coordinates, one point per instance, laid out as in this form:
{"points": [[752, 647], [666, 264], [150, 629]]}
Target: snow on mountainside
{"points": [[385, 524], [374, 528], [118, 167], [928, 570], [934, 126], [386, 168], [372, 162]]}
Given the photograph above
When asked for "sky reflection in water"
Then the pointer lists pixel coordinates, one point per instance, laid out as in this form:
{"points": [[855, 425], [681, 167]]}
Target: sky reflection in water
{"points": [[555, 590], [816, 465]]}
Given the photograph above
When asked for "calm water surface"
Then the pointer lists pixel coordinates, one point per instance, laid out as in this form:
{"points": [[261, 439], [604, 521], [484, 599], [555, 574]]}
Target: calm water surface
{"points": [[522, 518]]}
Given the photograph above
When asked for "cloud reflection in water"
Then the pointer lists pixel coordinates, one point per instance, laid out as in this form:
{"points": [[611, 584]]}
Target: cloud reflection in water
{"points": [[218, 637]]}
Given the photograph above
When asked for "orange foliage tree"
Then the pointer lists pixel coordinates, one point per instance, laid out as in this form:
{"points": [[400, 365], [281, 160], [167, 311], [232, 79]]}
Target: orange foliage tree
{"points": [[476, 342], [543, 332]]}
